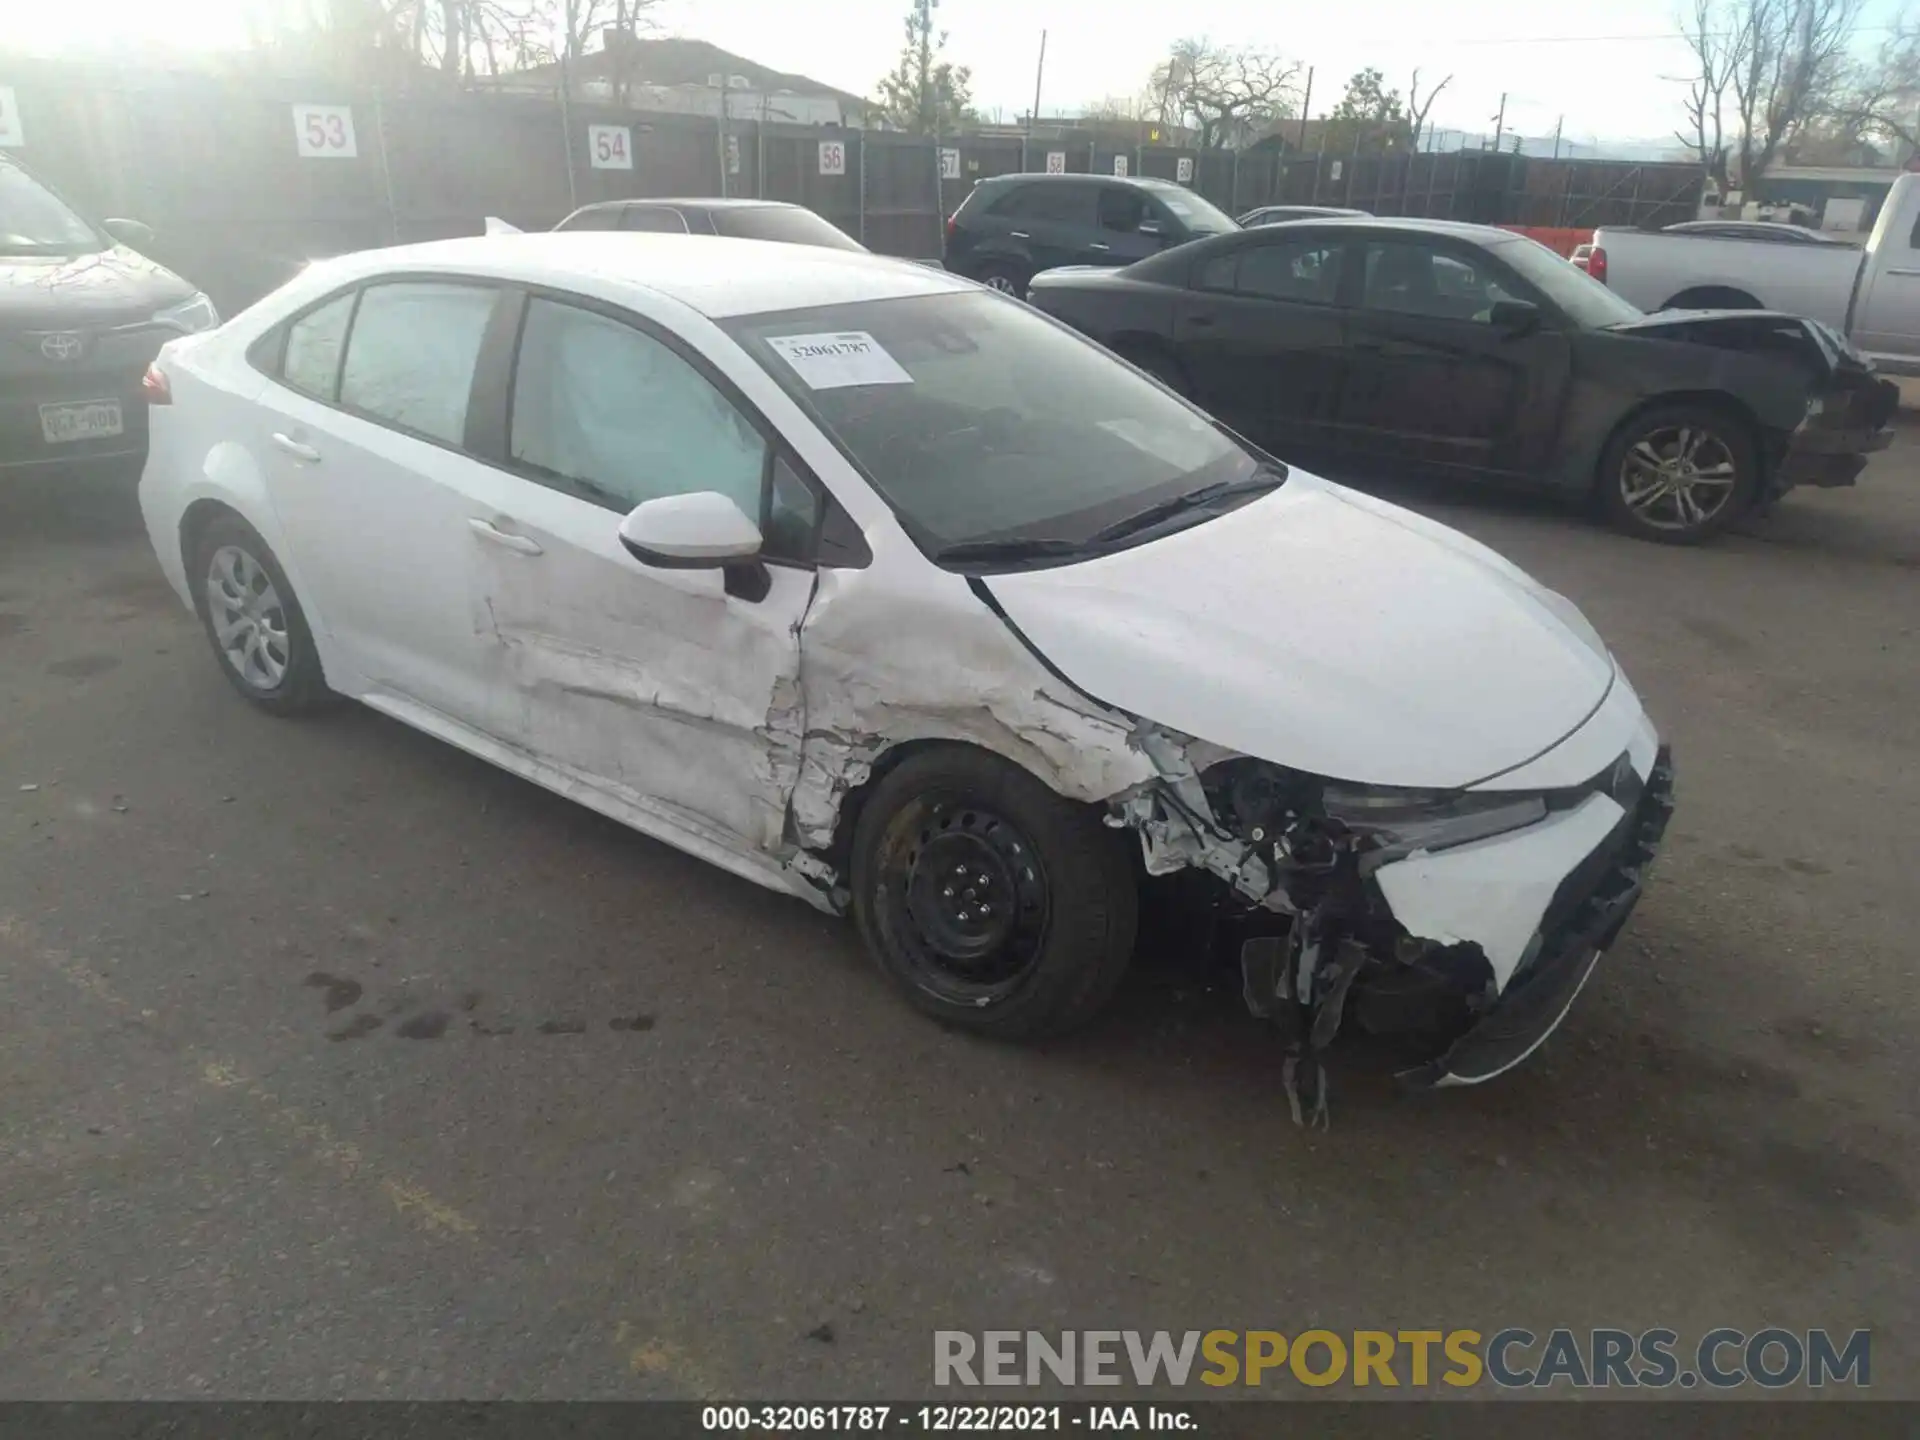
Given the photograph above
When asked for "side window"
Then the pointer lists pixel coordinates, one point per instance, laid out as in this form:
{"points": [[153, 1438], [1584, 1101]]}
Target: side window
{"points": [[606, 413], [654, 219], [1217, 272], [1121, 209], [596, 219], [1062, 204], [1913, 239], [312, 362], [1304, 269], [792, 515], [1410, 278], [411, 355]]}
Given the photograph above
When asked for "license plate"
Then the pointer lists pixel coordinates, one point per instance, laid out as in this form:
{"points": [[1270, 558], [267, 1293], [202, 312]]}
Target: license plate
{"points": [[86, 420]]}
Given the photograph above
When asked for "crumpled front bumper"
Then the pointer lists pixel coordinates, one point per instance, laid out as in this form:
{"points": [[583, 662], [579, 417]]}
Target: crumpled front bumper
{"points": [[1833, 447], [1585, 915]]}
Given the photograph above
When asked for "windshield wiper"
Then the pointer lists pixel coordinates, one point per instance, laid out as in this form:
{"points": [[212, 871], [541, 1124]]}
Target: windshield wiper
{"points": [[1260, 480], [1036, 548]]}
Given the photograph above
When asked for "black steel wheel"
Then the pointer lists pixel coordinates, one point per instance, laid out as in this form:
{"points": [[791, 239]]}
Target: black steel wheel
{"points": [[995, 904]]}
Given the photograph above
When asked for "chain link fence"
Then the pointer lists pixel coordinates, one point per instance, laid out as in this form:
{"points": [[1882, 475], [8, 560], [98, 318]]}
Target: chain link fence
{"points": [[242, 181]]}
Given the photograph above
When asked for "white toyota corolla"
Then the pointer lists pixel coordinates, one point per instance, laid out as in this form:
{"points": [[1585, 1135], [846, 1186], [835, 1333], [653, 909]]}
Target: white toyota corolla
{"points": [[874, 586]]}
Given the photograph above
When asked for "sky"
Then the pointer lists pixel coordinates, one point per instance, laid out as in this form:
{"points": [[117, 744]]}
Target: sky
{"points": [[1603, 72]]}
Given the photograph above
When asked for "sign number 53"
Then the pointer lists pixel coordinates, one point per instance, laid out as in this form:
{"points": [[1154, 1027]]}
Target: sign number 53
{"points": [[324, 132]]}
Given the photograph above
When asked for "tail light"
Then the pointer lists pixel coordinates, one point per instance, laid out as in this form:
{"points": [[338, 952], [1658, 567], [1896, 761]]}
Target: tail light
{"points": [[1597, 264], [155, 386], [953, 223]]}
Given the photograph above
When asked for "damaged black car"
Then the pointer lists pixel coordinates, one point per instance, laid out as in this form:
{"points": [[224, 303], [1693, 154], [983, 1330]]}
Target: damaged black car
{"points": [[1454, 350]]}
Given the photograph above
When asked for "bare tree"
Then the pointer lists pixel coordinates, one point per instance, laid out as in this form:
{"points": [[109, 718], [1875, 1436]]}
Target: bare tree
{"points": [[1880, 99], [1417, 108], [1716, 53], [1226, 92], [1782, 63]]}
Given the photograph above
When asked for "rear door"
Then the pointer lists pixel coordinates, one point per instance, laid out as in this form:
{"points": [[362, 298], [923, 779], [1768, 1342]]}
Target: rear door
{"points": [[379, 498], [1429, 378], [1041, 225], [1262, 337], [671, 688]]}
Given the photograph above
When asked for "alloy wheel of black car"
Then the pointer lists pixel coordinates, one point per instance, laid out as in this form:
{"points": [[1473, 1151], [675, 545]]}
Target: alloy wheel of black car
{"points": [[1678, 474], [992, 902]]}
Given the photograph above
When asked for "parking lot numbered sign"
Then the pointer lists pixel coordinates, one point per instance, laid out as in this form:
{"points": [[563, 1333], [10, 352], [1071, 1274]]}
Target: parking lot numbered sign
{"points": [[609, 147], [949, 164], [733, 154], [324, 132], [1056, 162], [1183, 170], [833, 157], [12, 133], [1120, 165]]}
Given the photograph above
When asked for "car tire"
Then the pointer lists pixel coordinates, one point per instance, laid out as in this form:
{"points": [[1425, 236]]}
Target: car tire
{"points": [[1704, 457], [253, 620], [996, 905], [1006, 279]]}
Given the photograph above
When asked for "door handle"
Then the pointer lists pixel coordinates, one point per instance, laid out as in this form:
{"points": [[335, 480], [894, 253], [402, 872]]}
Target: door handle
{"points": [[1895, 270], [506, 540], [1097, 245], [1020, 235], [1200, 322], [295, 448]]}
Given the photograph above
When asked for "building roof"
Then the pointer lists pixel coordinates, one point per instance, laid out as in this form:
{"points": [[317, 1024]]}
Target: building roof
{"points": [[719, 278], [680, 61]]}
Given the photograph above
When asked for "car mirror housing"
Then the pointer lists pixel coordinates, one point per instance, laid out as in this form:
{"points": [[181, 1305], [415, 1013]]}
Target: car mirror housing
{"points": [[704, 530], [1515, 317], [129, 232]]}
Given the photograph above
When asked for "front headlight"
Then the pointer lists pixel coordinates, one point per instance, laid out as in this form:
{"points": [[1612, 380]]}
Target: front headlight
{"points": [[189, 317], [1403, 821]]}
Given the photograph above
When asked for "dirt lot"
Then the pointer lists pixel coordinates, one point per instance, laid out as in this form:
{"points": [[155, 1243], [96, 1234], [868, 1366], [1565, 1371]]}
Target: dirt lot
{"points": [[338, 1064]]}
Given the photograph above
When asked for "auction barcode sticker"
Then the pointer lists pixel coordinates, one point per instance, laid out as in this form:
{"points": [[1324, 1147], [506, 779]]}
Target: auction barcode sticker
{"points": [[835, 361]]}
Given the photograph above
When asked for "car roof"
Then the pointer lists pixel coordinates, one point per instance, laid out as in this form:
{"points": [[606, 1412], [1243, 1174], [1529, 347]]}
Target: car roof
{"points": [[718, 277], [1078, 177], [705, 202]]}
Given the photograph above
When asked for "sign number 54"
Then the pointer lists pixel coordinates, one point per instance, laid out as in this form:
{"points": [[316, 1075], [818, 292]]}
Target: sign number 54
{"points": [[609, 147], [324, 132]]}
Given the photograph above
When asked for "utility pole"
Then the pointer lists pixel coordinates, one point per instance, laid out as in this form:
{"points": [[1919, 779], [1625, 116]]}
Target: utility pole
{"points": [[923, 17], [1500, 123], [1306, 109], [1039, 70], [1556, 135]]}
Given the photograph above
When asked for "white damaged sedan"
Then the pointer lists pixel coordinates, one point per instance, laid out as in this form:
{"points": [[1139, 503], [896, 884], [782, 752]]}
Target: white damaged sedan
{"points": [[876, 587]]}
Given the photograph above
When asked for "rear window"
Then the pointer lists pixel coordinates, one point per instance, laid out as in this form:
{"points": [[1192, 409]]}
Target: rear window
{"points": [[608, 219], [787, 225]]}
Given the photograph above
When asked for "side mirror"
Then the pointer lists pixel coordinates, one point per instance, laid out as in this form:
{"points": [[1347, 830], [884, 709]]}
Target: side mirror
{"points": [[1516, 318], [129, 232], [701, 531]]}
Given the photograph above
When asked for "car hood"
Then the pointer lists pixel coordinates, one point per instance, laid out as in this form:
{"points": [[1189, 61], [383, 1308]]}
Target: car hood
{"points": [[111, 287], [1326, 631]]}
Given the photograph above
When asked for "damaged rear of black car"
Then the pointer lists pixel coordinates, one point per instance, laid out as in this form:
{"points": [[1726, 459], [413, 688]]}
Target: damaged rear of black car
{"points": [[1460, 350]]}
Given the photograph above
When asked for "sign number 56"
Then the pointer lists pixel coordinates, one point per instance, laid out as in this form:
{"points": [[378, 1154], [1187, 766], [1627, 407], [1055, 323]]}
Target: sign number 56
{"points": [[324, 132]]}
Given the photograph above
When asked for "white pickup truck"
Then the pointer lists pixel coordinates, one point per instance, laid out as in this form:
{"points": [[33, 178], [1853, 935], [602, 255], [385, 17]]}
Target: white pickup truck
{"points": [[1870, 295]]}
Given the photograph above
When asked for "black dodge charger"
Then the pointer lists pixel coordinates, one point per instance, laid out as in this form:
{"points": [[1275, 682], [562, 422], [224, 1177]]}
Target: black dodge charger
{"points": [[1465, 350], [81, 316]]}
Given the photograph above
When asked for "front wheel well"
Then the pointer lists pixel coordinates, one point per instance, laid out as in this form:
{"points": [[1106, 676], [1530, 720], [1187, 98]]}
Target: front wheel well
{"points": [[840, 851], [1716, 400]]}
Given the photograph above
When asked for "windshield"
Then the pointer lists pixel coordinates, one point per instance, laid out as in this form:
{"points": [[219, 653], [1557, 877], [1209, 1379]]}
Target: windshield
{"points": [[979, 420], [1585, 300], [1196, 214], [33, 221], [790, 225]]}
